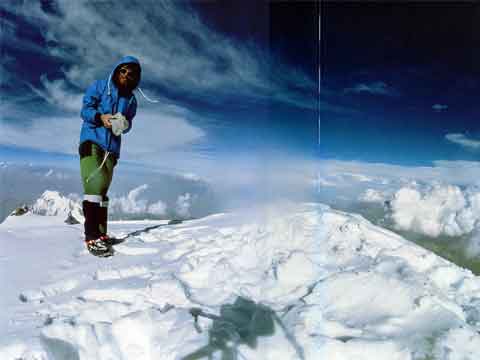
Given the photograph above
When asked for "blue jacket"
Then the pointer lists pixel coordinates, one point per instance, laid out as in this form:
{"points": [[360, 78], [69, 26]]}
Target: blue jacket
{"points": [[102, 98]]}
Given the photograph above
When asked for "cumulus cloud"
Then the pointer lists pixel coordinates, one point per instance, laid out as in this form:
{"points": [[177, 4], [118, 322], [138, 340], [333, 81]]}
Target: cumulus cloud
{"points": [[436, 210], [439, 107], [462, 140], [137, 203], [133, 204], [183, 204], [374, 88]]}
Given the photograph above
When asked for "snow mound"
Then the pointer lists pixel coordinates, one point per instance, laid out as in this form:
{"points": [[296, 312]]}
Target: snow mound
{"points": [[292, 281]]}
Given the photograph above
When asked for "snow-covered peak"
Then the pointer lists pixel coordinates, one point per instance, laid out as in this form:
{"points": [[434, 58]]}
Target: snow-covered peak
{"points": [[51, 203], [326, 284]]}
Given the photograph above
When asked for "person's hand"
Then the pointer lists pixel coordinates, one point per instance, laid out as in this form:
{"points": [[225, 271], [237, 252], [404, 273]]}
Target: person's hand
{"points": [[106, 120]]}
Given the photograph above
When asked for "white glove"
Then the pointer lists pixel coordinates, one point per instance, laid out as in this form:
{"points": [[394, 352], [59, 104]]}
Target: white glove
{"points": [[119, 123]]}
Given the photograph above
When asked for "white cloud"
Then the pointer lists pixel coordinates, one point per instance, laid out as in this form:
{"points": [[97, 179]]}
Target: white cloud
{"points": [[387, 180], [438, 200], [358, 177], [158, 208], [183, 205], [56, 134], [133, 204], [443, 199], [372, 196], [439, 107], [176, 48], [464, 141], [155, 134], [130, 204], [56, 93], [191, 176], [374, 88], [157, 130], [178, 51], [438, 210], [443, 171], [321, 181]]}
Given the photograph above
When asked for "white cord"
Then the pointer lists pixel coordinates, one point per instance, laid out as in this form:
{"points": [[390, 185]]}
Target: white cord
{"points": [[146, 97], [98, 169]]}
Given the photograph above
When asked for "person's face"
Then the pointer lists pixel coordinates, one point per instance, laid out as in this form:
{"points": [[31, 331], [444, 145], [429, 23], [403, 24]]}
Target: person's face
{"points": [[127, 76]]}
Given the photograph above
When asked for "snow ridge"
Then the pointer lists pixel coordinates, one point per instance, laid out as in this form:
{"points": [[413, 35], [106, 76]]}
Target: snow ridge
{"points": [[328, 285]]}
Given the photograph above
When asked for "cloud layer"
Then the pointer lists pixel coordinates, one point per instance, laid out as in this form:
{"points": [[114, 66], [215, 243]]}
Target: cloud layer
{"points": [[156, 137], [435, 201]]}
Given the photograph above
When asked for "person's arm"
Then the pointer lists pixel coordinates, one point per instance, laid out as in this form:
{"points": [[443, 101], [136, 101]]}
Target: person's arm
{"points": [[91, 99], [90, 112], [132, 111]]}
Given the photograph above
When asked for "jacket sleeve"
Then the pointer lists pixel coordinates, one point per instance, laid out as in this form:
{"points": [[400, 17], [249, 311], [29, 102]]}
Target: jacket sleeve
{"points": [[132, 111], [91, 99]]}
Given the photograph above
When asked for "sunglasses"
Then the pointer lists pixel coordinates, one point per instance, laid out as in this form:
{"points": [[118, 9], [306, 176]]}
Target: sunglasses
{"points": [[132, 74]]}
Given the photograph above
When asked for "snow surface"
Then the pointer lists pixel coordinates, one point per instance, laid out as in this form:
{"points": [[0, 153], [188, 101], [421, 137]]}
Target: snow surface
{"points": [[330, 285]]}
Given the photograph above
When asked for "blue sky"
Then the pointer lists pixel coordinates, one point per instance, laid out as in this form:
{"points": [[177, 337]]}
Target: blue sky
{"points": [[234, 79], [399, 82]]}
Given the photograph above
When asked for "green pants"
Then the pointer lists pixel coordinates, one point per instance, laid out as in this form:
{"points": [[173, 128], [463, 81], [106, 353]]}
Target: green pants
{"points": [[95, 181]]}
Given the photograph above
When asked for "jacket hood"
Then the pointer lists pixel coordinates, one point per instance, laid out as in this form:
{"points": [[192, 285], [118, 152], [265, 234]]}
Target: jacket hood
{"points": [[125, 60]]}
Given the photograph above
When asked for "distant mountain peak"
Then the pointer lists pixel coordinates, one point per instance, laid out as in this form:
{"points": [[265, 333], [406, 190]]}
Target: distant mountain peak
{"points": [[52, 203]]}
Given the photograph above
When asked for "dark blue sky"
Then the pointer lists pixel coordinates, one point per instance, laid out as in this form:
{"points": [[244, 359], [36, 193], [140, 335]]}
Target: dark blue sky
{"points": [[399, 80], [236, 76]]}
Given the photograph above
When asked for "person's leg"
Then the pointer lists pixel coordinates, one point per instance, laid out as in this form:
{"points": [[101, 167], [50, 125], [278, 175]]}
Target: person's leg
{"points": [[95, 185], [103, 209]]}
